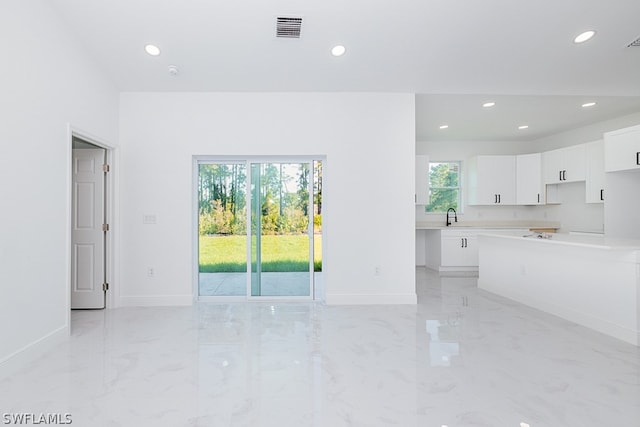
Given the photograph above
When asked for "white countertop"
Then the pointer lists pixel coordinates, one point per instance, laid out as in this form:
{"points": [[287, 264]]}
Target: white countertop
{"points": [[440, 225], [599, 242]]}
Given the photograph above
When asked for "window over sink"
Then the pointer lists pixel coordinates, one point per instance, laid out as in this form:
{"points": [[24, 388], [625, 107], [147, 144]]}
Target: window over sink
{"points": [[444, 187]]}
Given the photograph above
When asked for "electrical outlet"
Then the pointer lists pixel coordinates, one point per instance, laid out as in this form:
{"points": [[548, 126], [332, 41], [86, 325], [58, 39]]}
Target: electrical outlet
{"points": [[151, 272]]}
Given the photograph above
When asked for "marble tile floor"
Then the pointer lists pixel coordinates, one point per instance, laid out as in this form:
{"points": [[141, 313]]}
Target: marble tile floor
{"points": [[273, 284], [460, 358]]}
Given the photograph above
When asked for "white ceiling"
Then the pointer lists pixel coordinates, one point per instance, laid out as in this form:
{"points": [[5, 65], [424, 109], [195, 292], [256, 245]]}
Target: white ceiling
{"points": [[521, 53]]}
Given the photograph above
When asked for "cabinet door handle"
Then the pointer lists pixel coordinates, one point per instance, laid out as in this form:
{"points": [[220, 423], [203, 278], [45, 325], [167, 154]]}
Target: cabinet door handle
{"points": [[538, 197], [462, 242], [560, 176], [499, 198], [602, 194], [638, 158], [564, 175]]}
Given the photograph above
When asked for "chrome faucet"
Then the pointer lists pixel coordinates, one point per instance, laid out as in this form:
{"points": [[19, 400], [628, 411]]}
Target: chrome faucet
{"points": [[455, 216]]}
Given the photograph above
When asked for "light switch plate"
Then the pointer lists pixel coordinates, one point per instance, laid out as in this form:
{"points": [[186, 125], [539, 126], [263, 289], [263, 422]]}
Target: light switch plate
{"points": [[149, 219]]}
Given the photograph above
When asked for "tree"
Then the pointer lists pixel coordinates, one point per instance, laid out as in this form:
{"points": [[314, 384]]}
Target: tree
{"points": [[303, 188], [317, 186], [222, 198]]}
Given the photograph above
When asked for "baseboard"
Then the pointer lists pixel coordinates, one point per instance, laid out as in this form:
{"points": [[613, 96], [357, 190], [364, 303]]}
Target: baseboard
{"points": [[27, 354], [369, 299], [456, 269], [155, 300]]}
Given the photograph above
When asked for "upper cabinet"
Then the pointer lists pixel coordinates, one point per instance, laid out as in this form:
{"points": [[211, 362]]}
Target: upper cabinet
{"points": [[564, 165], [595, 172], [622, 149], [492, 180], [529, 189], [422, 180]]}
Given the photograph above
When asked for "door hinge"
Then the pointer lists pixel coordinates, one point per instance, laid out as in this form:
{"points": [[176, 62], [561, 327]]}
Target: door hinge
{"points": [[105, 287], [105, 168], [105, 227]]}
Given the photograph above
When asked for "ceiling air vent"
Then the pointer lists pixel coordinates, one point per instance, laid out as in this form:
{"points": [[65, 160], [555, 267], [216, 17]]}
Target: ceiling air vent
{"points": [[288, 27], [635, 43]]}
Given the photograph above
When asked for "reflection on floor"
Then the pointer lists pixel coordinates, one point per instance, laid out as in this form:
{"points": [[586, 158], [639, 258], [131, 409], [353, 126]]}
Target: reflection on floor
{"points": [[272, 284], [462, 357]]}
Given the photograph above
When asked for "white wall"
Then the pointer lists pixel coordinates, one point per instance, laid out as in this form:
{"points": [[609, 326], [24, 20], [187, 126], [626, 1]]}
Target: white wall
{"points": [[368, 183], [47, 82]]}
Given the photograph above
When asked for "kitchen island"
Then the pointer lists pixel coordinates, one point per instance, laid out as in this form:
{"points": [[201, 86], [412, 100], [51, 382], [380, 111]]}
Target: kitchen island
{"points": [[592, 281]]}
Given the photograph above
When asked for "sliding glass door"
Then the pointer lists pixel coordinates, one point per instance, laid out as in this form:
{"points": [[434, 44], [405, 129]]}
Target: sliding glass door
{"points": [[259, 228]]}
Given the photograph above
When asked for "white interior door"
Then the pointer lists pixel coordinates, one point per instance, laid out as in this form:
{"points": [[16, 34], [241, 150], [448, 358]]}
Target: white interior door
{"points": [[87, 240]]}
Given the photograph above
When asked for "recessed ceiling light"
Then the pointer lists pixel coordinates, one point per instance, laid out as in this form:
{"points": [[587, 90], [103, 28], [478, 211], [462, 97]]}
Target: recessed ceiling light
{"points": [[488, 104], [588, 104], [581, 38], [444, 127], [152, 49], [523, 127], [338, 50]]}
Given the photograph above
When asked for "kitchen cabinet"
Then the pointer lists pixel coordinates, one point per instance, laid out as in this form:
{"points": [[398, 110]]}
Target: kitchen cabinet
{"points": [[452, 249], [492, 180], [622, 149], [529, 189], [422, 180], [459, 249], [595, 172], [564, 165]]}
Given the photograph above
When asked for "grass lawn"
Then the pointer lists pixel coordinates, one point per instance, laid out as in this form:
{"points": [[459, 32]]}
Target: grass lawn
{"points": [[224, 254]]}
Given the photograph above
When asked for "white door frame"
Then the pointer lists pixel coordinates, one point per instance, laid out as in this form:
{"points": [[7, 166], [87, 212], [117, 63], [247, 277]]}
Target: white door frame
{"points": [[112, 237], [197, 160]]}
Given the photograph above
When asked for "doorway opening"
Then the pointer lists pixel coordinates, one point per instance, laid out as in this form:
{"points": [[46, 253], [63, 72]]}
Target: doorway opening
{"points": [[259, 228], [89, 225]]}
